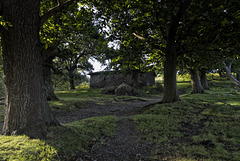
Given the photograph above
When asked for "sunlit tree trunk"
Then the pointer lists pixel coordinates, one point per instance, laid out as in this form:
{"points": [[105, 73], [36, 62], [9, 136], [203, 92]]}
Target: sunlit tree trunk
{"points": [[230, 76], [196, 84], [27, 110]]}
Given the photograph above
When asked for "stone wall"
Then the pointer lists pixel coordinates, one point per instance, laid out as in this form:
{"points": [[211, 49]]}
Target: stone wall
{"points": [[111, 78]]}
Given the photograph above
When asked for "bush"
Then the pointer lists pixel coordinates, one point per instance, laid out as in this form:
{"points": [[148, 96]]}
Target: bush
{"points": [[125, 89]]}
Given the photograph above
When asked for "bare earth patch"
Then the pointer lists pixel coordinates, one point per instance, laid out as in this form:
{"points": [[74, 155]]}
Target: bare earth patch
{"points": [[116, 108], [125, 144]]}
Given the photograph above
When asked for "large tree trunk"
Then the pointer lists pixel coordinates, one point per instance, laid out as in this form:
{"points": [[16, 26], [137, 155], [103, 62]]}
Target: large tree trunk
{"points": [[27, 110], [196, 84], [47, 74], [230, 76], [203, 79], [170, 81]]}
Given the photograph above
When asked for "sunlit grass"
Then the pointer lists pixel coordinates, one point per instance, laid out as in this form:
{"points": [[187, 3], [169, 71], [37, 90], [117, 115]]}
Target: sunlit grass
{"points": [[22, 148]]}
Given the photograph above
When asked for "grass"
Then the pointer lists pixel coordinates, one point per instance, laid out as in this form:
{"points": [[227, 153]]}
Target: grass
{"points": [[77, 99], [199, 127], [22, 148], [63, 142], [82, 135]]}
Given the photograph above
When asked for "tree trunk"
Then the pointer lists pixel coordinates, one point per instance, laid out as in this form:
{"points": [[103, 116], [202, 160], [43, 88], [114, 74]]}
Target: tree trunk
{"points": [[135, 79], [203, 79], [170, 81], [230, 76], [47, 75], [238, 76], [71, 79], [27, 110], [196, 84]]}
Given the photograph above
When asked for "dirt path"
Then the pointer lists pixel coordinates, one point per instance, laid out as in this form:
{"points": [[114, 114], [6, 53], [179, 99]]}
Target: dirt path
{"points": [[120, 108], [126, 144]]}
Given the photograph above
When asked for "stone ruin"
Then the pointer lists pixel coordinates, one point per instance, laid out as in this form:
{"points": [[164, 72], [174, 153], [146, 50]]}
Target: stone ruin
{"points": [[112, 78]]}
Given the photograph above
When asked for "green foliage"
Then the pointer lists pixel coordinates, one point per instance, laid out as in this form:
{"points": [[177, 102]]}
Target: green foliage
{"points": [[4, 23], [81, 135], [23, 148], [61, 80]]}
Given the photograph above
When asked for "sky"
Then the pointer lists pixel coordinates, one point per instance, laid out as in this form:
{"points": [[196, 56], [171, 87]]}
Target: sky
{"points": [[97, 65]]}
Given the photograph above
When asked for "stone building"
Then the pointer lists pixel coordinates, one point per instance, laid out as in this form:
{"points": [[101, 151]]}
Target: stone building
{"points": [[112, 78]]}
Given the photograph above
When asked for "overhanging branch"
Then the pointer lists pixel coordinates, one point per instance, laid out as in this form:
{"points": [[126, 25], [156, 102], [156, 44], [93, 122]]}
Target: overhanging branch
{"points": [[54, 10], [138, 36]]}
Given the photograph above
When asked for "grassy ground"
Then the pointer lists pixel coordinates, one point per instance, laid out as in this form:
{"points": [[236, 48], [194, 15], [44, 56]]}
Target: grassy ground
{"points": [[199, 127], [62, 143], [77, 99]]}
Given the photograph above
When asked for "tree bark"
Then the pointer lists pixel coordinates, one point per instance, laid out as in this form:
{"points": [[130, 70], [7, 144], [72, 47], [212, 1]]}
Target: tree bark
{"points": [[71, 79], [47, 75], [135, 79], [170, 81], [203, 79], [196, 84], [238, 76], [230, 76], [27, 110]]}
